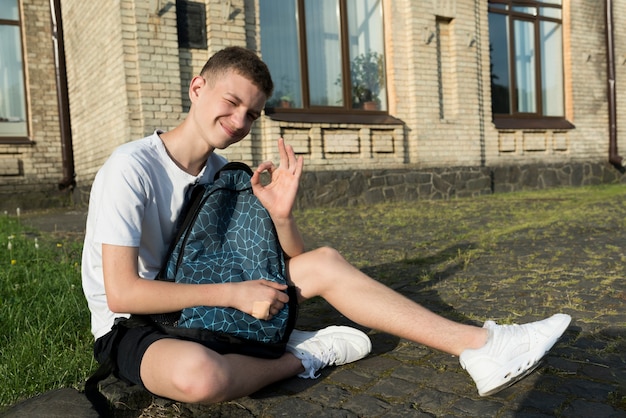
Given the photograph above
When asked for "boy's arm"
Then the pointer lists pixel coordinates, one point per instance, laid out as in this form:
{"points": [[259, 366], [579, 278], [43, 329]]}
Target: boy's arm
{"points": [[279, 196], [289, 236], [129, 293]]}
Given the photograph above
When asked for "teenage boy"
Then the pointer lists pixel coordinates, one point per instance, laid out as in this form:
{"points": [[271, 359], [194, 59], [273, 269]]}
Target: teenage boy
{"points": [[135, 200]]}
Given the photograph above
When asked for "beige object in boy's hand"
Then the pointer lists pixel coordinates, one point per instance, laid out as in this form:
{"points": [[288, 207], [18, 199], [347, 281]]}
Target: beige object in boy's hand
{"points": [[261, 310]]}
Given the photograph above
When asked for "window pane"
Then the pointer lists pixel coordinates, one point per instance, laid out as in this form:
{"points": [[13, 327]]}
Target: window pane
{"points": [[550, 12], [323, 52], [12, 102], [8, 10], [279, 49], [525, 66], [552, 68], [499, 54], [367, 69]]}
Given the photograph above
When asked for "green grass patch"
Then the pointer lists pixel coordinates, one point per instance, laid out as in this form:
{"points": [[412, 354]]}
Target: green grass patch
{"points": [[45, 341]]}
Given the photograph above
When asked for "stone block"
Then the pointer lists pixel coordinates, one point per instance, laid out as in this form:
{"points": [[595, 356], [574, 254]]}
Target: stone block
{"points": [[124, 397]]}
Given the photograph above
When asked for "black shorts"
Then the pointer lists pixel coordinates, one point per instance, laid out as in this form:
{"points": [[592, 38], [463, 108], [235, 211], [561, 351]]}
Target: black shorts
{"points": [[132, 346], [133, 341]]}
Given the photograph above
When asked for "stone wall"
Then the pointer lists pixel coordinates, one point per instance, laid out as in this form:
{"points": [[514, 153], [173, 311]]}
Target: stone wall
{"points": [[351, 188], [345, 188]]}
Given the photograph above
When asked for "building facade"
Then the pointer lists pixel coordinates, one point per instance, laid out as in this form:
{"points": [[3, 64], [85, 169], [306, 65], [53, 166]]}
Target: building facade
{"points": [[385, 99], [33, 108]]}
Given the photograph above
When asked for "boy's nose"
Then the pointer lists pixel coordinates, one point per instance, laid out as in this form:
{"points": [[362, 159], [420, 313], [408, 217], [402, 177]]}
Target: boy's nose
{"points": [[239, 119]]}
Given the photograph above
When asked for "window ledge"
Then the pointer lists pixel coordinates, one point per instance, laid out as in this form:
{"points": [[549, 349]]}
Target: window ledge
{"points": [[8, 140], [365, 118], [532, 123]]}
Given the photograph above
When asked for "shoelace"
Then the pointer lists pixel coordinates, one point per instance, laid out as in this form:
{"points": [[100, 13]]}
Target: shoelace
{"points": [[521, 335], [313, 364]]}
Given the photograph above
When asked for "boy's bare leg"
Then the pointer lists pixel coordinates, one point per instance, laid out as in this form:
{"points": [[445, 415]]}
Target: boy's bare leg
{"points": [[324, 272], [189, 372]]}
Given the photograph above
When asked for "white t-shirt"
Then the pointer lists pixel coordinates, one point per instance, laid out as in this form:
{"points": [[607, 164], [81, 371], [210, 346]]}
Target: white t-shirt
{"points": [[135, 201]]}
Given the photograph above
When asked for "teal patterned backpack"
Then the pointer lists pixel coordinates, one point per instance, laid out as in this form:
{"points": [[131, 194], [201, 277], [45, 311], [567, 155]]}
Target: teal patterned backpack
{"points": [[226, 235]]}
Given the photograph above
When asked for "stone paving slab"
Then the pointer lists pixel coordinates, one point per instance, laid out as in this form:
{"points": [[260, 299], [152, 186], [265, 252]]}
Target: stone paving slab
{"points": [[583, 376]]}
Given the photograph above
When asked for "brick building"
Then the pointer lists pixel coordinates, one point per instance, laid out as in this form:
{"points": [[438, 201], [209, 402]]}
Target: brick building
{"points": [[385, 99], [35, 161]]}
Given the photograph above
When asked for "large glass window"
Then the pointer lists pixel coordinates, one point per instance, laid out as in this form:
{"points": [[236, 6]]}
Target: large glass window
{"points": [[12, 91], [324, 55], [526, 51]]}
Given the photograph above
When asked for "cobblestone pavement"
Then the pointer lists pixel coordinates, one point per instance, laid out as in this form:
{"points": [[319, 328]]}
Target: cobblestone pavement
{"points": [[522, 275]]}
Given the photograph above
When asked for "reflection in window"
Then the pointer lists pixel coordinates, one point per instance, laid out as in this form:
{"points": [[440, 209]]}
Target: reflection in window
{"points": [[525, 66], [325, 55], [499, 52], [279, 47], [12, 92], [526, 52], [323, 51], [552, 75], [367, 70]]}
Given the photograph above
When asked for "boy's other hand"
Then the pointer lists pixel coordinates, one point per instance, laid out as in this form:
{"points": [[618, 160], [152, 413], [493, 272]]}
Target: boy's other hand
{"points": [[260, 298]]}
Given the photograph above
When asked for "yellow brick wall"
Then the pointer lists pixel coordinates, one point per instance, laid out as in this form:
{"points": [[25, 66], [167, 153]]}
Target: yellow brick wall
{"points": [[123, 74], [35, 166], [128, 76], [99, 103]]}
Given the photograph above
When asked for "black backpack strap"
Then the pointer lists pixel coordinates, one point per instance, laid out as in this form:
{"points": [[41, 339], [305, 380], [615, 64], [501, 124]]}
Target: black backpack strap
{"points": [[234, 165], [107, 367], [92, 392]]}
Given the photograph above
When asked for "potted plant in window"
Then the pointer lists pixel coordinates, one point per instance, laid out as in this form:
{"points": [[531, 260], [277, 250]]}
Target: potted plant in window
{"points": [[280, 99], [283, 96], [367, 76], [285, 100]]}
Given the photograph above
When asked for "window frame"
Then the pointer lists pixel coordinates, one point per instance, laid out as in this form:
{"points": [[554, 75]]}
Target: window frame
{"points": [[537, 119], [26, 139], [191, 25], [334, 114]]}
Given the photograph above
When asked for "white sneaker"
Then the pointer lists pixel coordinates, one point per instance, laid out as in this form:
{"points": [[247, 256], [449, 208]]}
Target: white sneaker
{"points": [[511, 352], [332, 346]]}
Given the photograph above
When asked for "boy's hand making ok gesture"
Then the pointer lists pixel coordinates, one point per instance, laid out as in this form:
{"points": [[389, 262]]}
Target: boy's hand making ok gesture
{"points": [[279, 195]]}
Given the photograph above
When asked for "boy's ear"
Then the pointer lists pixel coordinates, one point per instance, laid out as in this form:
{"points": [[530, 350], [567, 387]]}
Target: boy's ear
{"points": [[196, 84]]}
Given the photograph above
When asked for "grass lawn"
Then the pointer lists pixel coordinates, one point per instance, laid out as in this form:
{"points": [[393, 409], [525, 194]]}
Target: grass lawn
{"points": [[45, 341]]}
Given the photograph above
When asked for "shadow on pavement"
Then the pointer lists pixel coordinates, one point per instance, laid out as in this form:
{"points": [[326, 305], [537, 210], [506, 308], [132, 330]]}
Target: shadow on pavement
{"points": [[583, 376]]}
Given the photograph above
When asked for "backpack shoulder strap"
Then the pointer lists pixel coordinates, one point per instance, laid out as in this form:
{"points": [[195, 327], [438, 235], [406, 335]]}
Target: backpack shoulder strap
{"points": [[234, 165]]}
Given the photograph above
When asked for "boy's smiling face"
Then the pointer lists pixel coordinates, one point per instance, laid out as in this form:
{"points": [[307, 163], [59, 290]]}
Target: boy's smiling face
{"points": [[225, 107]]}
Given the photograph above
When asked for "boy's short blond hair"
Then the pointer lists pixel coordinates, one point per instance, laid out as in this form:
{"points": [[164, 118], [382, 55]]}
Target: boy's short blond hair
{"points": [[242, 61]]}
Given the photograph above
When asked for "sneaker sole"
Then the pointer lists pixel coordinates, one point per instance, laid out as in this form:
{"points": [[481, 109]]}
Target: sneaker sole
{"points": [[530, 362], [513, 380]]}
